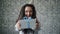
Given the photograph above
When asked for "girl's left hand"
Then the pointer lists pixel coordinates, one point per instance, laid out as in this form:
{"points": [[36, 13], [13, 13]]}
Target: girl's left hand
{"points": [[37, 25]]}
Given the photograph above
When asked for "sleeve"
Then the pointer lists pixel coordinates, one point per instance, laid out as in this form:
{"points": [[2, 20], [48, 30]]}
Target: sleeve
{"points": [[16, 29]]}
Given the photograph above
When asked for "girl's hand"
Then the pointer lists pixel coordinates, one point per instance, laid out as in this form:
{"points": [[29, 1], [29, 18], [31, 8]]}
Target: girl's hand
{"points": [[37, 25], [18, 26]]}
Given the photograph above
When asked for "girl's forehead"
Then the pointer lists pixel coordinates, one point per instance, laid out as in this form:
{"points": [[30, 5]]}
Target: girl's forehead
{"points": [[28, 8]]}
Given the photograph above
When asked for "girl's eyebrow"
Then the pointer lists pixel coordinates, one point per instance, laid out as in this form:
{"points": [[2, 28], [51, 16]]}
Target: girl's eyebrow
{"points": [[26, 10]]}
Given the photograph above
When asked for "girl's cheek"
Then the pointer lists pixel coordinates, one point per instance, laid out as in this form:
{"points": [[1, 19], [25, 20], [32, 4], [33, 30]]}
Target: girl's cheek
{"points": [[30, 13], [25, 12]]}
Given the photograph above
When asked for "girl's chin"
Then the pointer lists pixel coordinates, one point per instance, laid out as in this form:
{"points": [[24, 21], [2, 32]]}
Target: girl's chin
{"points": [[28, 16]]}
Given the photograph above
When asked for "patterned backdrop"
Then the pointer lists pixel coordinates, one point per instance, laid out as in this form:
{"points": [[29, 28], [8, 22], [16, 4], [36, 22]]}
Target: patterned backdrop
{"points": [[48, 13]]}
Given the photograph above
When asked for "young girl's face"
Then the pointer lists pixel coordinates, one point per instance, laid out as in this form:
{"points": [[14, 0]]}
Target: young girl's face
{"points": [[28, 11]]}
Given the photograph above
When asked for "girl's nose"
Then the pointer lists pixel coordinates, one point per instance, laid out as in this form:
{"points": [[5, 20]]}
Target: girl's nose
{"points": [[28, 13]]}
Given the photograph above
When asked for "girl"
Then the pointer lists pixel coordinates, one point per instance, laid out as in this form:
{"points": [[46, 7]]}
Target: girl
{"points": [[28, 10]]}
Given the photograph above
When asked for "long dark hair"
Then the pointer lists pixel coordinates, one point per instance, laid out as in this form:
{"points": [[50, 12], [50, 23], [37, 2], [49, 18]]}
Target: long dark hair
{"points": [[22, 12]]}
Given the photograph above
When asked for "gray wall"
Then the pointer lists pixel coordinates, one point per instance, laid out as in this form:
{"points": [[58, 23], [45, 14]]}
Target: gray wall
{"points": [[48, 13]]}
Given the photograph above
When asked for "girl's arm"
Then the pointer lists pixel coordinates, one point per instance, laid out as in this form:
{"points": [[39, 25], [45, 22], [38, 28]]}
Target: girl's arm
{"points": [[37, 24], [17, 26]]}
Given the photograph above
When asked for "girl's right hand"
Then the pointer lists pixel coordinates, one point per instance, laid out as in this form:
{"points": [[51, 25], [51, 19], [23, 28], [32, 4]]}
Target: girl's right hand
{"points": [[17, 26]]}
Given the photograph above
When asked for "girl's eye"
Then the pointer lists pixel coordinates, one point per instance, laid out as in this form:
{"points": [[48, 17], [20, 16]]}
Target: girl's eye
{"points": [[26, 11]]}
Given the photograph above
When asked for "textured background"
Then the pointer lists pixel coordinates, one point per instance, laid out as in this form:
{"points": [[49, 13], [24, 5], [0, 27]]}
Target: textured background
{"points": [[48, 13]]}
